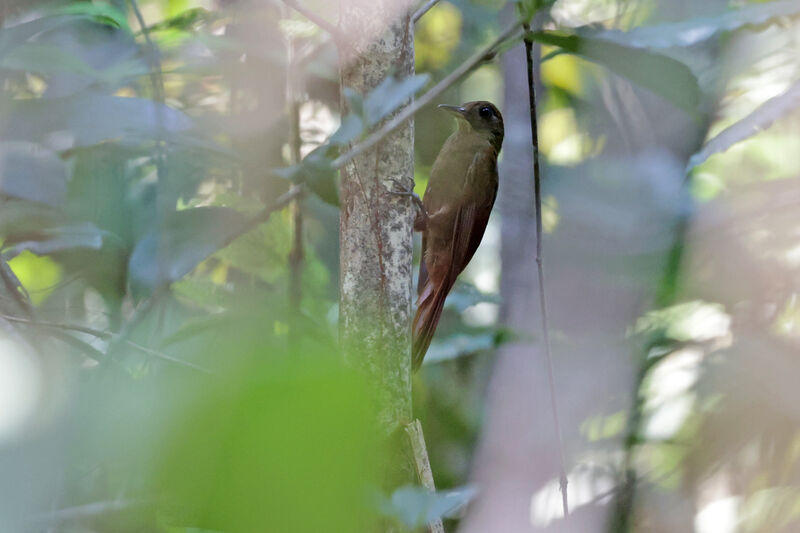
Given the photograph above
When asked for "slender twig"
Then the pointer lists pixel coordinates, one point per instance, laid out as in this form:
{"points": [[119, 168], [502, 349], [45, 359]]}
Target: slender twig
{"points": [[313, 17], [100, 334], [537, 185], [417, 441], [409, 111], [423, 9]]}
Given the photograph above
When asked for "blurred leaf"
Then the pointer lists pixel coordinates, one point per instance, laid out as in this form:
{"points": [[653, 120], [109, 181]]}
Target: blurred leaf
{"points": [[351, 129], [189, 19], [416, 506], [281, 445], [457, 346], [465, 295], [91, 117], [387, 97], [317, 172], [45, 59], [187, 237], [700, 29], [31, 172], [666, 77], [23, 215], [97, 12], [527, 9], [355, 103], [756, 122], [37, 274], [14, 36], [48, 241]]}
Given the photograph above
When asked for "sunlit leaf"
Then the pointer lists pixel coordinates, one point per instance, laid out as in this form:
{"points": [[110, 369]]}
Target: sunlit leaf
{"points": [[37, 274], [756, 122], [662, 75], [697, 30]]}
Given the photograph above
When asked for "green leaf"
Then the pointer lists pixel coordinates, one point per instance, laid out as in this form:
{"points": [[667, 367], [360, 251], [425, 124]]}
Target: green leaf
{"points": [[389, 95], [187, 20], [694, 31], [527, 9], [756, 122], [100, 13], [416, 506], [187, 237], [315, 171], [664, 76]]}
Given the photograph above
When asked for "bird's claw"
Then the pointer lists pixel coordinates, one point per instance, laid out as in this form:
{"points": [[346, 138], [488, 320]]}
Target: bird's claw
{"points": [[422, 213]]}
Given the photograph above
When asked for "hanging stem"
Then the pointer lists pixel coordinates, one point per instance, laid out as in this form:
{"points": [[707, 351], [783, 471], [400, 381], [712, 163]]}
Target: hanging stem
{"points": [[537, 184]]}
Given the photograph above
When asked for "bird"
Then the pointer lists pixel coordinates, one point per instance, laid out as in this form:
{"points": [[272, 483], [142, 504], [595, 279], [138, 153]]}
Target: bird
{"points": [[454, 211]]}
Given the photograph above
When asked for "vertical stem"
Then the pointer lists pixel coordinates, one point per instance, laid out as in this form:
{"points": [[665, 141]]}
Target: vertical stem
{"points": [[297, 254], [423, 465], [540, 268]]}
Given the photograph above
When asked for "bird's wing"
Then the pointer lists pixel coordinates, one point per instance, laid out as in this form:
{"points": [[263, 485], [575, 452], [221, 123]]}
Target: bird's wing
{"points": [[470, 224], [472, 217]]}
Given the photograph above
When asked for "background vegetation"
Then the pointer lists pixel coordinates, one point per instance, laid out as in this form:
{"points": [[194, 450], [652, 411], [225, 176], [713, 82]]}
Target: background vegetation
{"points": [[169, 354]]}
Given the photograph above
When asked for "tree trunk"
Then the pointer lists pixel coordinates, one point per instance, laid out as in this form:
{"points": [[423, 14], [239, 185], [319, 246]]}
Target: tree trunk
{"points": [[375, 227]]}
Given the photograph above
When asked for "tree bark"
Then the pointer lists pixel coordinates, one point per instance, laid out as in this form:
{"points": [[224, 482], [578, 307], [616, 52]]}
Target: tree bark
{"points": [[376, 227]]}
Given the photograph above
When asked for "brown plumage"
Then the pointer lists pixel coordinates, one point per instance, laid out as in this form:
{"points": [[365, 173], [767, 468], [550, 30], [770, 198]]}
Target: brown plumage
{"points": [[458, 200]]}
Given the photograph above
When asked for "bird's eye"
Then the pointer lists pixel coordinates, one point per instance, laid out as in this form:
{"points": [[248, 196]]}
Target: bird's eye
{"points": [[485, 112]]}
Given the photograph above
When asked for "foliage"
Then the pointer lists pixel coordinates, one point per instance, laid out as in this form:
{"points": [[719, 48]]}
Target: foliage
{"points": [[171, 385]]}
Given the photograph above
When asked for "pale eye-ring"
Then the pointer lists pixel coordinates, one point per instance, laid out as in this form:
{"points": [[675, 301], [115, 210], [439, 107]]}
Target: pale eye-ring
{"points": [[485, 112]]}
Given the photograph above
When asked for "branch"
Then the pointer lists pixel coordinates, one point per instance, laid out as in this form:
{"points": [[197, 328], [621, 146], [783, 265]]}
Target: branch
{"points": [[423, 9], [423, 464], [410, 110], [378, 135], [310, 15], [537, 185], [100, 334]]}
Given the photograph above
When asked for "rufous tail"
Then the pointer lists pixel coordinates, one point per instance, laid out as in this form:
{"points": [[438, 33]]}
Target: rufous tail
{"points": [[429, 310]]}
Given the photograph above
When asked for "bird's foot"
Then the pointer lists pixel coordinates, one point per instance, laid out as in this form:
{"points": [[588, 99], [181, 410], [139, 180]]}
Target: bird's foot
{"points": [[421, 220]]}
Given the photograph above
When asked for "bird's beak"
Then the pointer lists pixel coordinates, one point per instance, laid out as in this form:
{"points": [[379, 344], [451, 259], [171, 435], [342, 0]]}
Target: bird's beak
{"points": [[455, 109]]}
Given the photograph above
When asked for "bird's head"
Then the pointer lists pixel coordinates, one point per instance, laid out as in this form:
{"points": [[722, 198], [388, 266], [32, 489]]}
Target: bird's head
{"points": [[482, 117]]}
